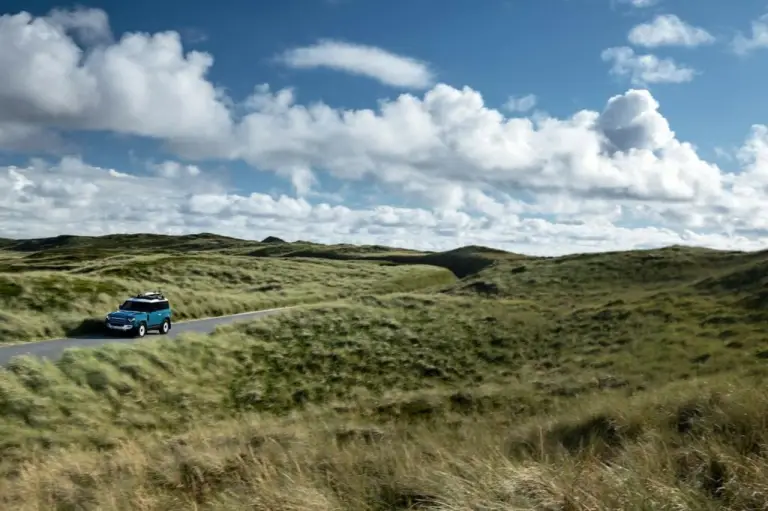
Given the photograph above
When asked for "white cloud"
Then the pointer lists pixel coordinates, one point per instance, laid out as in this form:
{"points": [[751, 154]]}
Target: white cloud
{"points": [[616, 177], [742, 44], [521, 104], [448, 141], [723, 153], [73, 197], [641, 3], [595, 173], [174, 170], [646, 69], [669, 30], [141, 85], [90, 25], [754, 156], [379, 64], [15, 136]]}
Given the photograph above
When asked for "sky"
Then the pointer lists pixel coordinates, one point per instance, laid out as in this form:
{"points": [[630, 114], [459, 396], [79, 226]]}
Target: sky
{"points": [[542, 127]]}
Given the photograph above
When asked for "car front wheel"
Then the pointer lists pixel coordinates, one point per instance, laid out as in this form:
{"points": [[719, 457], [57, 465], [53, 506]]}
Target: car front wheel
{"points": [[141, 330]]}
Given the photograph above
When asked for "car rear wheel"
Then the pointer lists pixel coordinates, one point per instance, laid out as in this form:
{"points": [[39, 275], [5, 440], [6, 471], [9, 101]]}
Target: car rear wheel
{"points": [[141, 330], [165, 327]]}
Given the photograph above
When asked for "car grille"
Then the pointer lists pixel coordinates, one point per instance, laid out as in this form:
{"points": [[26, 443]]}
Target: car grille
{"points": [[118, 321]]}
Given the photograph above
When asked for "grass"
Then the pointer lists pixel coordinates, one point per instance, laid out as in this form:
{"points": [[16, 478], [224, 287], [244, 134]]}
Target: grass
{"points": [[68, 289], [628, 380], [628, 455]]}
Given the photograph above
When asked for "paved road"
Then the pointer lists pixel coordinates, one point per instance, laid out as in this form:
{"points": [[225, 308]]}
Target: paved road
{"points": [[53, 349]]}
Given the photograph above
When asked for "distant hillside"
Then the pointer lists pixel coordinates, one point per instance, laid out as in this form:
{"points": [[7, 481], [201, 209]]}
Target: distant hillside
{"points": [[658, 281], [64, 249], [462, 262], [484, 270], [201, 241]]}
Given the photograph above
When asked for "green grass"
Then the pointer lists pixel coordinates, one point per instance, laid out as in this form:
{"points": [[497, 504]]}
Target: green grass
{"points": [[64, 290], [372, 347], [628, 380], [688, 447]]}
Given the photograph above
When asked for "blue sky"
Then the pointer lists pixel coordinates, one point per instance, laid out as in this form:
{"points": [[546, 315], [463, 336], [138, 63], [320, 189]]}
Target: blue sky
{"points": [[447, 168]]}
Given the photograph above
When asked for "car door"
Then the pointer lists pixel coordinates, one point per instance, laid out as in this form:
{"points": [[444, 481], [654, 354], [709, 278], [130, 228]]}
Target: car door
{"points": [[155, 314], [162, 311]]}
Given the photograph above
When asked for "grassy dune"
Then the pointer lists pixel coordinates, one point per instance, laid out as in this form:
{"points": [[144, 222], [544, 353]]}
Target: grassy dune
{"points": [[685, 447], [629, 380], [69, 288]]}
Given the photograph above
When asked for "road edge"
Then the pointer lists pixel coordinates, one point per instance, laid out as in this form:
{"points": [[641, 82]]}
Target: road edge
{"points": [[230, 315], [22, 343]]}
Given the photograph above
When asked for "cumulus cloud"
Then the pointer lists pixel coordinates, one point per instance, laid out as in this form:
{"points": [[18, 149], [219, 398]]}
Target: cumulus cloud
{"points": [[521, 104], [645, 69], [613, 177], [633, 121], [370, 61], [669, 30], [607, 168], [70, 196], [754, 157], [141, 85], [437, 146], [431, 146], [91, 26], [758, 39]]}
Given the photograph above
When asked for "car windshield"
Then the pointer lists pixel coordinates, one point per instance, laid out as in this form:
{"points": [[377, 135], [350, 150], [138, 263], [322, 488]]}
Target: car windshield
{"points": [[130, 305]]}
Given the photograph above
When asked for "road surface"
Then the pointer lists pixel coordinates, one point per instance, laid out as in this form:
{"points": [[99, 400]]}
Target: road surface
{"points": [[52, 349]]}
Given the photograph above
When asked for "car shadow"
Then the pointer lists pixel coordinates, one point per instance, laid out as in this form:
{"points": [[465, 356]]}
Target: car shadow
{"points": [[86, 327], [94, 329], [116, 337]]}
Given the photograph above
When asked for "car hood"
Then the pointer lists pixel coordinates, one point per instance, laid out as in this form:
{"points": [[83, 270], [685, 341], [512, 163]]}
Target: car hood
{"points": [[124, 314]]}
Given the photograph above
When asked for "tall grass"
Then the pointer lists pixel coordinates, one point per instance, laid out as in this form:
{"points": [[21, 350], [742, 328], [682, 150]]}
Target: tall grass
{"points": [[44, 303], [611, 381], [373, 349], [693, 446]]}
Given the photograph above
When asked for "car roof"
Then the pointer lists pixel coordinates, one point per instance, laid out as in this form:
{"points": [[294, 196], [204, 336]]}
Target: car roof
{"points": [[149, 297]]}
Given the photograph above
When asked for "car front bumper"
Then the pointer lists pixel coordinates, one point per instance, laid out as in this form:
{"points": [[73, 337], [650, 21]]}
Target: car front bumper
{"points": [[120, 328]]}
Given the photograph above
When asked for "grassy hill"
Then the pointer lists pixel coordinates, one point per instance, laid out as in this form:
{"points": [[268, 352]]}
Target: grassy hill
{"points": [[469, 379], [63, 286]]}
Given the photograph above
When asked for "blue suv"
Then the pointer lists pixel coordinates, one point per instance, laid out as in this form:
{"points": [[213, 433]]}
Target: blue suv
{"points": [[137, 315]]}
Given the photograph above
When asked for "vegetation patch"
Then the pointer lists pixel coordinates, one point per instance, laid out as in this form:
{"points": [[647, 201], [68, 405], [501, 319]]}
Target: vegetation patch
{"points": [[63, 290], [469, 379]]}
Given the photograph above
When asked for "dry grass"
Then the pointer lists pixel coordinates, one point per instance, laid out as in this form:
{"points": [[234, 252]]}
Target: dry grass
{"points": [[694, 446], [610, 381], [52, 294]]}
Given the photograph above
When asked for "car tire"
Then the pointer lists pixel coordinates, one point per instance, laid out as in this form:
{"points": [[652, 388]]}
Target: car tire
{"points": [[141, 330], [165, 327]]}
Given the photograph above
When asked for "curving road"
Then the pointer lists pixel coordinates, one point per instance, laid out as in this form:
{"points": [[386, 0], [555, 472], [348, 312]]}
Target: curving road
{"points": [[52, 349]]}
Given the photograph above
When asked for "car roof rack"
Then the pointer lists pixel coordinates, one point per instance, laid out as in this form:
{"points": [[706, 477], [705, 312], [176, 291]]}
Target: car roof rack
{"points": [[151, 295]]}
